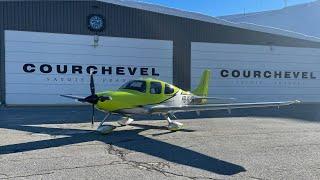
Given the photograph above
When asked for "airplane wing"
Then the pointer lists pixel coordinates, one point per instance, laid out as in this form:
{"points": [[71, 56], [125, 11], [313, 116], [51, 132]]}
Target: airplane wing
{"points": [[228, 106], [78, 98]]}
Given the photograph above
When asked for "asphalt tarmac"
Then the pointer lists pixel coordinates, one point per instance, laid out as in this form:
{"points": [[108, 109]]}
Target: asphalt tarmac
{"points": [[59, 143]]}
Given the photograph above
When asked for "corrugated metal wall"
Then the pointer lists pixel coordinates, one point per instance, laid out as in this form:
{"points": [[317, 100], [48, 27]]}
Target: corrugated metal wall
{"points": [[71, 17]]}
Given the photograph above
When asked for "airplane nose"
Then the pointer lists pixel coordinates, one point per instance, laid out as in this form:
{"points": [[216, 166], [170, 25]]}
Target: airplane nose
{"points": [[105, 98], [104, 102]]}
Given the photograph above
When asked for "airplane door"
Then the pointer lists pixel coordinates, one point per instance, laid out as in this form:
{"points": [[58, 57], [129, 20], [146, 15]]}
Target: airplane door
{"points": [[156, 91]]}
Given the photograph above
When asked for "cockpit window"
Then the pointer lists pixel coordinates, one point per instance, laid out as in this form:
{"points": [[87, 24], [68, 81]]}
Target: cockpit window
{"points": [[135, 85], [168, 89], [155, 88]]}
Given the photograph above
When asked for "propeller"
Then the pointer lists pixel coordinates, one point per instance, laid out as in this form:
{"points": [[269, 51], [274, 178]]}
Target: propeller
{"points": [[93, 98]]}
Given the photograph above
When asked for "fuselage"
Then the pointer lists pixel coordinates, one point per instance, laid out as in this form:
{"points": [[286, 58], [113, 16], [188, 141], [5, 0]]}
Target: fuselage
{"points": [[141, 93]]}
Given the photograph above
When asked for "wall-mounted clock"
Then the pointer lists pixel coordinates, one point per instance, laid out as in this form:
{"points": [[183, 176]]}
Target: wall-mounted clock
{"points": [[96, 22]]}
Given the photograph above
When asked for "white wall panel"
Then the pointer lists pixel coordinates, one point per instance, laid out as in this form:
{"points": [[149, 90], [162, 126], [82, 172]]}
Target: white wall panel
{"points": [[235, 57], [77, 50]]}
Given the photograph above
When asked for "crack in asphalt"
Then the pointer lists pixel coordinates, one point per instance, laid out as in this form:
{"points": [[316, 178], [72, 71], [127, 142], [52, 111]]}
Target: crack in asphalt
{"points": [[86, 166], [2, 174], [252, 177], [148, 166], [28, 175]]}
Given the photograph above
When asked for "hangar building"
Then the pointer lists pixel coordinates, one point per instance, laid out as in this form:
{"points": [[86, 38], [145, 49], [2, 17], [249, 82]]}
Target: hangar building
{"points": [[47, 48], [299, 18]]}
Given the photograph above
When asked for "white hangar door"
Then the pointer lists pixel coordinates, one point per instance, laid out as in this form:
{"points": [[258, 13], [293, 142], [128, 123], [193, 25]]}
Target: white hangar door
{"points": [[258, 73], [41, 66]]}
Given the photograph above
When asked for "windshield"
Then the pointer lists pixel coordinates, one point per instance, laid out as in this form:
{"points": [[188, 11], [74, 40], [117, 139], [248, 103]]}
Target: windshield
{"points": [[136, 85]]}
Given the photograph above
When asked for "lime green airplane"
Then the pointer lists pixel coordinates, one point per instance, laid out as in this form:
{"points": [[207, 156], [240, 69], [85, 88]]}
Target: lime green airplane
{"points": [[151, 96]]}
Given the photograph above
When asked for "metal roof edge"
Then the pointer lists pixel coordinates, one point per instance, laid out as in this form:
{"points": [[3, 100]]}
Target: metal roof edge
{"points": [[201, 17]]}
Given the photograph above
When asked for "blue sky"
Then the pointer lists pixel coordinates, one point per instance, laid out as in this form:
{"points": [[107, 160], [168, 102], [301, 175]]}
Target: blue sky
{"points": [[226, 7]]}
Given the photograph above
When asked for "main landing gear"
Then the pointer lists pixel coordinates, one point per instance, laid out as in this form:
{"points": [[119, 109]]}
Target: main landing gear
{"points": [[108, 128]]}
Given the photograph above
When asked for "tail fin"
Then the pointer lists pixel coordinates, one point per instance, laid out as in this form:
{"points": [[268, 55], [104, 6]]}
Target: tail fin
{"points": [[203, 86]]}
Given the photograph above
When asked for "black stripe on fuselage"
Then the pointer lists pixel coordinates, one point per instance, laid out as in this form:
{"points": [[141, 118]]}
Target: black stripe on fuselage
{"points": [[141, 106]]}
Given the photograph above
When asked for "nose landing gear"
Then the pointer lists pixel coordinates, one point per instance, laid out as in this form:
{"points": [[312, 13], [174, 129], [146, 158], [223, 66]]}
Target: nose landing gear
{"points": [[173, 125], [125, 121], [105, 128]]}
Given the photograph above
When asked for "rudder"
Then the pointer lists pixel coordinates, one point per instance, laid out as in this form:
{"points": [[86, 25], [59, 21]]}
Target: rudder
{"points": [[203, 86]]}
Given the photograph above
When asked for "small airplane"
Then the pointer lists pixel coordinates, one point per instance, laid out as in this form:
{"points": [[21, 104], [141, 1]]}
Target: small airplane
{"points": [[151, 96]]}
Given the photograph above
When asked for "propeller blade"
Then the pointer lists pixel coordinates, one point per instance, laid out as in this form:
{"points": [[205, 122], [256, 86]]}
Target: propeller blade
{"points": [[92, 117], [92, 88], [78, 98]]}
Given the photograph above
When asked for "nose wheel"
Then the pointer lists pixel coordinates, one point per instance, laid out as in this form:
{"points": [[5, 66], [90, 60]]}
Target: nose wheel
{"points": [[173, 125], [105, 128], [125, 121]]}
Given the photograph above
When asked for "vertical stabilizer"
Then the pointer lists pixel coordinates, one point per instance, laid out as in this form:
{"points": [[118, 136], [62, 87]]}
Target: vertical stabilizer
{"points": [[203, 86]]}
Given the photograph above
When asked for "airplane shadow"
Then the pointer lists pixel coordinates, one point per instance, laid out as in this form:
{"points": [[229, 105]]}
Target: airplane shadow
{"points": [[128, 139]]}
